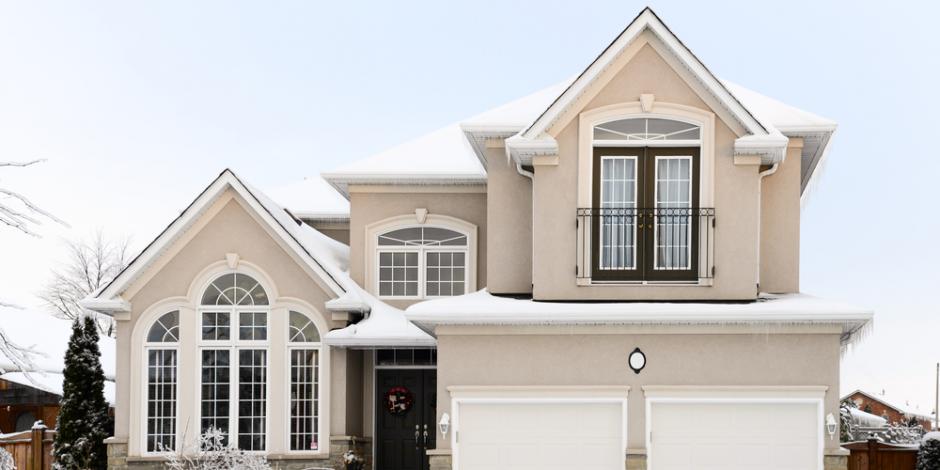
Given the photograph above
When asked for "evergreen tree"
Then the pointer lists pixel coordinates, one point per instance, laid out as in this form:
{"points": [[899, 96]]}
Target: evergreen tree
{"points": [[83, 419], [928, 458]]}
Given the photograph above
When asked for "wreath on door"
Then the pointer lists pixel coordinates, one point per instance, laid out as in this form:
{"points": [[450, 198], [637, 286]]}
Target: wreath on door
{"points": [[398, 400]]}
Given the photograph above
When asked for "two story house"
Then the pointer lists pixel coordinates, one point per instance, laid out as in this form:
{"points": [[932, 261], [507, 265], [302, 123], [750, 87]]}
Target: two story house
{"points": [[603, 275]]}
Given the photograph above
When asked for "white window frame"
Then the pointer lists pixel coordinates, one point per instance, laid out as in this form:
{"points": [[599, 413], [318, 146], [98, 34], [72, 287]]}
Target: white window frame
{"points": [[636, 185], [321, 401], [145, 376], [371, 260], [234, 345], [422, 252], [688, 254]]}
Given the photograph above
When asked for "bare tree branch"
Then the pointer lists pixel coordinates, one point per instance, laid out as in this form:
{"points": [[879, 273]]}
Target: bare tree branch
{"points": [[18, 211], [92, 263], [23, 164]]}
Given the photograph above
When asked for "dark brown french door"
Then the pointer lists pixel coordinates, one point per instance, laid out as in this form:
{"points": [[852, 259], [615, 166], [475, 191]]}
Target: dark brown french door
{"points": [[644, 217], [402, 439]]}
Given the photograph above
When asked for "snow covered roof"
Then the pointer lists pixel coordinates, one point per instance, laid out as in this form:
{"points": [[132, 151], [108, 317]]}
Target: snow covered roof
{"points": [[449, 156], [444, 156], [383, 326], [900, 405], [48, 337], [483, 308], [311, 198], [867, 420]]}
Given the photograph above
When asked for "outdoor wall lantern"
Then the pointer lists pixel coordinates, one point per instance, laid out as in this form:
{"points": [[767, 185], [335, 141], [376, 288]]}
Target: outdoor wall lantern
{"points": [[444, 425], [637, 360], [831, 426]]}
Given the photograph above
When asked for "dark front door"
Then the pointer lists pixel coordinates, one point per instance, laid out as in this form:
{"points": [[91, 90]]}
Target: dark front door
{"points": [[402, 439]]}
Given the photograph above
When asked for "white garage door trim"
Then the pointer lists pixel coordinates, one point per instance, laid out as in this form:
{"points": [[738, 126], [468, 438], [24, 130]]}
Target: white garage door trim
{"points": [[813, 395], [534, 395]]}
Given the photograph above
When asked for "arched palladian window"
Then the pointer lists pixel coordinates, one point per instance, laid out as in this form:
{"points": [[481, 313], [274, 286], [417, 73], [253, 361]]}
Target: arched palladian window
{"points": [[233, 350], [422, 261], [162, 352], [645, 192], [304, 349]]}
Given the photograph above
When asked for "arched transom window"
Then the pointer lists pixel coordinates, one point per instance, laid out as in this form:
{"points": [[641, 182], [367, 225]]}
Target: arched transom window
{"points": [[162, 352], [638, 130], [234, 359], [304, 346], [422, 261]]}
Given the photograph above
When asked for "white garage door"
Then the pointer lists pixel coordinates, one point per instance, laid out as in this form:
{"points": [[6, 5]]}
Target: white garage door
{"points": [[686, 436], [544, 436]]}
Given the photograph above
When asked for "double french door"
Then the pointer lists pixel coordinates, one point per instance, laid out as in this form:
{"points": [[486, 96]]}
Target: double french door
{"points": [[645, 215]]}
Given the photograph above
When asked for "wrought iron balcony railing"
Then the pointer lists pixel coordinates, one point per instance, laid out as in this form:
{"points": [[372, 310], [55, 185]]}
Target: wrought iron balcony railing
{"points": [[646, 244]]}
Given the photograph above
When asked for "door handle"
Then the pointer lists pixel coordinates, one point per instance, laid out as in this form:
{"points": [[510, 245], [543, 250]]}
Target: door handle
{"points": [[425, 436], [417, 435]]}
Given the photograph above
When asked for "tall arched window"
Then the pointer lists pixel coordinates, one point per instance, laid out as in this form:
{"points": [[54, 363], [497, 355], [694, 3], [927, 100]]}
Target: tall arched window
{"points": [[304, 349], [422, 261], [233, 346], [162, 352]]}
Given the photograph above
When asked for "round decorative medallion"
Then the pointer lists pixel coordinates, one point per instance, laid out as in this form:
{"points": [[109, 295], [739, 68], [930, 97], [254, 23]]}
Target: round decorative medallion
{"points": [[398, 400], [637, 360]]}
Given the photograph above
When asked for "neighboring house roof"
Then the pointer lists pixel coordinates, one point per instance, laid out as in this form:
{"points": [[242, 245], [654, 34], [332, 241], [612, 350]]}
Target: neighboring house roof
{"points": [[483, 308], [48, 337], [311, 199], [867, 420], [449, 156], [894, 404]]}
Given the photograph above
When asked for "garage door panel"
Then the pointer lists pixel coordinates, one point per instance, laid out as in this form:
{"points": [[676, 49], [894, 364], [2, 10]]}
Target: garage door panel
{"points": [[530, 436], [734, 436]]}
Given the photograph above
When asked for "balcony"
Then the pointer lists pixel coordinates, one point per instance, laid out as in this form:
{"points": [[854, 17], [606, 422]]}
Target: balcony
{"points": [[645, 245]]}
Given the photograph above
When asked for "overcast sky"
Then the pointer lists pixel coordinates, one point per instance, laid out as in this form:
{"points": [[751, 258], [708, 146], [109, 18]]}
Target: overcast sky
{"points": [[138, 105]]}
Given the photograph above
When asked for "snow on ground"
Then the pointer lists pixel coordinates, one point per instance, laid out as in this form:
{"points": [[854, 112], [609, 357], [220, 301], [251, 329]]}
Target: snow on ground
{"points": [[311, 198], [49, 337]]}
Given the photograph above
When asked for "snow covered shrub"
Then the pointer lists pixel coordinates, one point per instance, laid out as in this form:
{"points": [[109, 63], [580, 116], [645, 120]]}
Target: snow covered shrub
{"points": [[214, 454], [928, 458], [845, 420], [897, 434], [6, 460]]}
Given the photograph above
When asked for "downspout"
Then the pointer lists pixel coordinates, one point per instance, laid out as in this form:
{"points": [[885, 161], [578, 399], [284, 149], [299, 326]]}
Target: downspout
{"points": [[760, 204], [531, 176]]}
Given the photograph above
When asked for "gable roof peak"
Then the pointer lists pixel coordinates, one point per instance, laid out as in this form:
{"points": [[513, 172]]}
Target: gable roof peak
{"points": [[757, 137]]}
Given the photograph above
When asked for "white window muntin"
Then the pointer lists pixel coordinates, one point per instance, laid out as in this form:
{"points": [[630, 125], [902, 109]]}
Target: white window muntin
{"points": [[234, 344], [669, 204], [422, 251], [622, 204], [683, 134], [295, 343], [169, 342]]}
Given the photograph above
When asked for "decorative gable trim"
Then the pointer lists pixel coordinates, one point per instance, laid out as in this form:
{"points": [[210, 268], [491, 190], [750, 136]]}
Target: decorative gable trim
{"points": [[759, 139], [109, 300]]}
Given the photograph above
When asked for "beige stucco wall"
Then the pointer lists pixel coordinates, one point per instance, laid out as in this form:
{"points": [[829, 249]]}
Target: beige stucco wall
{"points": [[780, 225], [509, 222], [225, 228], [555, 200], [371, 204], [586, 356]]}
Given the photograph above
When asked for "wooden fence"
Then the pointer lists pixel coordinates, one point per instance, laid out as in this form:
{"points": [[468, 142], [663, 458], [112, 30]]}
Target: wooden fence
{"points": [[874, 455], [31, 450]]}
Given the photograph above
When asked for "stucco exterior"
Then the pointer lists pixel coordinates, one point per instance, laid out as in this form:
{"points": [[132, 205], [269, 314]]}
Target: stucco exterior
{"points": [[509, 222], [597, 356], [173, 284]]}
